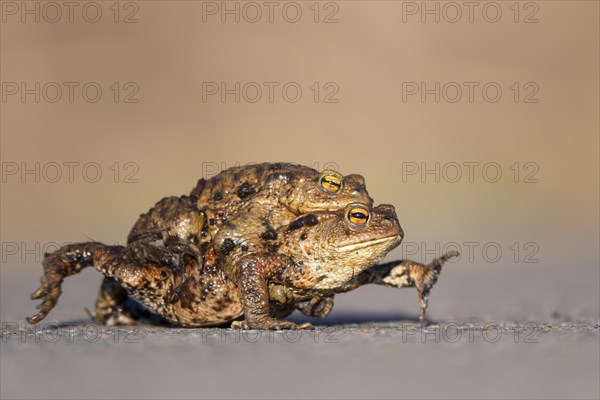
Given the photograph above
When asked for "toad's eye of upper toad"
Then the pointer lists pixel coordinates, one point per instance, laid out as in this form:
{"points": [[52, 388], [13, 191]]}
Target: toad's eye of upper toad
{"points": [[331, 183], [358, 216]]}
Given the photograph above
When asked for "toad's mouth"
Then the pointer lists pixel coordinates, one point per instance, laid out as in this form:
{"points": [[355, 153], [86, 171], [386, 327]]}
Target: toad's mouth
{"points": [[362, 245]]}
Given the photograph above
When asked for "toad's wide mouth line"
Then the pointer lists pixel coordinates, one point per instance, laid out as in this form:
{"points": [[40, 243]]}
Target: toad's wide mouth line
{"points": [[361, 245]]}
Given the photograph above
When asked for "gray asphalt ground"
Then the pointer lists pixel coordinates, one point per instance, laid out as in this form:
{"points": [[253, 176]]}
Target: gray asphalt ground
{"points": [[490, 336]]}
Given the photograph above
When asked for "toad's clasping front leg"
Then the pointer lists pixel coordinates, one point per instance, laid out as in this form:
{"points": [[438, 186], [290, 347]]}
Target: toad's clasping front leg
{"points": [[407, 273], [252, 273]]}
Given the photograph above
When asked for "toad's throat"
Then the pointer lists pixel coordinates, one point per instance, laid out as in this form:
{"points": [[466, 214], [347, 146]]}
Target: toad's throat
{"points": [[362, 245]]}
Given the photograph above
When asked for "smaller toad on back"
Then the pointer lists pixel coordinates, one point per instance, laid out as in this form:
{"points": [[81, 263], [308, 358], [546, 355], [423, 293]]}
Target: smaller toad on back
{"points": [[298, 188], [236, 203]]}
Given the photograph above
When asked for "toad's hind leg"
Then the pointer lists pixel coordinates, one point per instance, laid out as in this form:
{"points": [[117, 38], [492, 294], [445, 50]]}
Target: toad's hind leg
{"points": [[114, 262]]}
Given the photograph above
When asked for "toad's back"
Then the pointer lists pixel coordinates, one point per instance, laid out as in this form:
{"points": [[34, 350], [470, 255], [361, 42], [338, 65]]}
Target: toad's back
{"points": [[246, 198], [197, 217]]}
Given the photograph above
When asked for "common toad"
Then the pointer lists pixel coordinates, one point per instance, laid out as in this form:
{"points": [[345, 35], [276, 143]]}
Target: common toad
{"points": [[248, 254]]}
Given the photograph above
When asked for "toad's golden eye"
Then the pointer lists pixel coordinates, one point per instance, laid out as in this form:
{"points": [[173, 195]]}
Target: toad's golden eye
{"points": [[358, 216], [331, 183]]}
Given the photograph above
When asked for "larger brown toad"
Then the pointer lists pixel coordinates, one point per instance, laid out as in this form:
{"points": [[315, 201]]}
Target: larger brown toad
{"points": [[251, 272]]}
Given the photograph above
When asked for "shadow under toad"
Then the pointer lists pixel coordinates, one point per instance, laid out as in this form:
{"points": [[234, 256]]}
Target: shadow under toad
{"points": [[349, 318], [341, 319]]}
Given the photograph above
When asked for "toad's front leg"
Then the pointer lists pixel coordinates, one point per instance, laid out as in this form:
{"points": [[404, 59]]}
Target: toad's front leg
{"points": [[252, 274], [407, 273]]}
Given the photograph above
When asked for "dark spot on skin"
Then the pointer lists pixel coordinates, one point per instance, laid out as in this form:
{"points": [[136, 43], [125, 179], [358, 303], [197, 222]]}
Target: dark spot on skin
{"points": [[173, 296], [217, 307], [322, 277], [212, 222], [269, 234], [227, 246], [244, 247], [245, 190], [251, 292], [187, 297], [204, 225], [274, 248], [279, 275], [218, 196], [307, 220], [229, 225], [204, 294], [303, 236]]}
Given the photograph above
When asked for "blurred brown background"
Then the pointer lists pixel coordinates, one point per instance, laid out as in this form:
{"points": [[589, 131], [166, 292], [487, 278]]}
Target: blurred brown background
{"points": [[367, 72]]}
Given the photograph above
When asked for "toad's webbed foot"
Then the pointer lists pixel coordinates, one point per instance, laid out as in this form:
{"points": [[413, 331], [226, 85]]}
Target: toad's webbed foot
{"points": [[407, 273], [68, 260], [425, 276]]}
